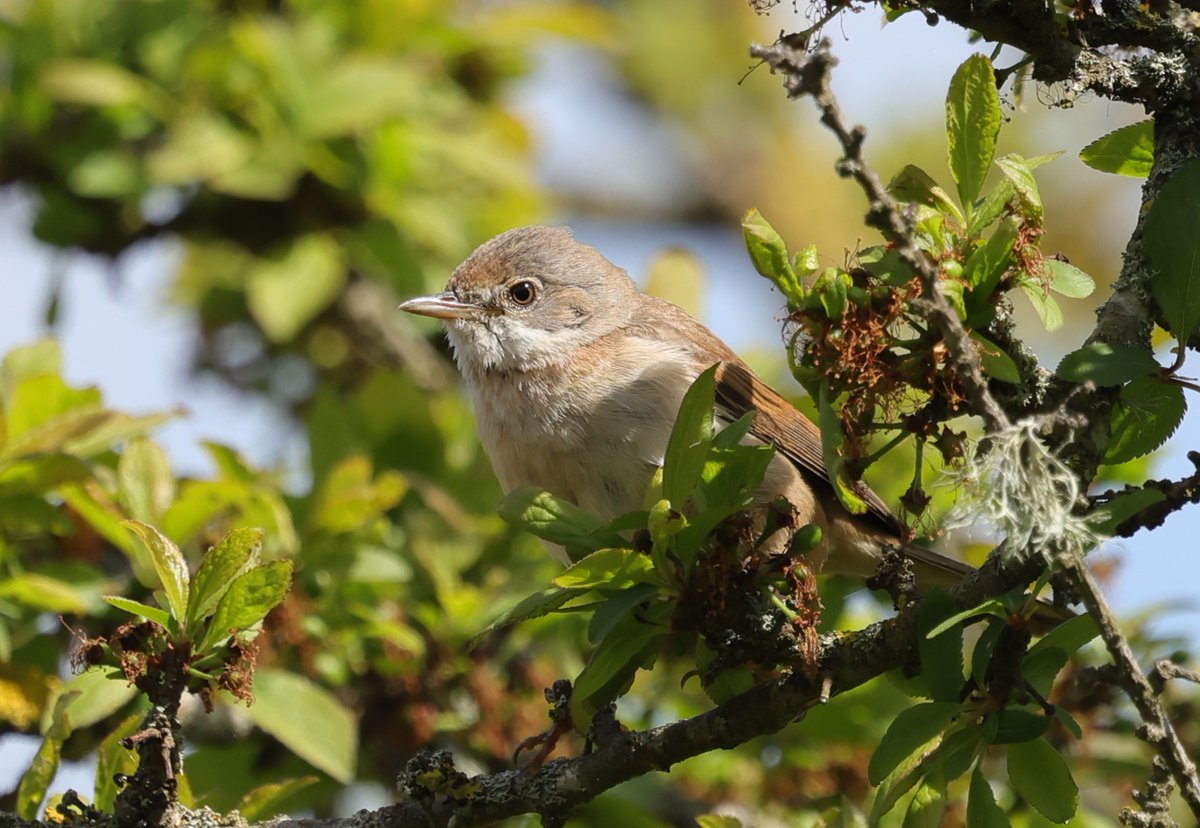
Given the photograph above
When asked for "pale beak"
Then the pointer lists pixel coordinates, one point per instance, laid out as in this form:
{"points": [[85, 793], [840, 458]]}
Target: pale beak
{"points": [[441, 306]]}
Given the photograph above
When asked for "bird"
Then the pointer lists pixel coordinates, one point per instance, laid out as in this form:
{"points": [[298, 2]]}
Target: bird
{"points": [[576, 378]]}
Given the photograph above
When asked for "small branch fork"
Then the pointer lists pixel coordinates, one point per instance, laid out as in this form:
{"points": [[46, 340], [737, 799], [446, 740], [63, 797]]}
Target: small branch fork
{"points": [[807, 73]]}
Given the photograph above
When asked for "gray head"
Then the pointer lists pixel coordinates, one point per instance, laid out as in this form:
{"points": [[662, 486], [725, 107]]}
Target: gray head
{"points": [[527, 299]]}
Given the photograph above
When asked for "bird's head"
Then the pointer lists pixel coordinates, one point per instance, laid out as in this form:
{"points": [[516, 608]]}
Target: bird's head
{"points": [[528, 299]]}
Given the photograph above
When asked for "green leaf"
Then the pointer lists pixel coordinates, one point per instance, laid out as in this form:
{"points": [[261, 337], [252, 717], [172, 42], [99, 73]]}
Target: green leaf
{"points": [[941, 655], [910, 733], [1145, 416], [992, 606], [990, 208], [220, 566], [95, 694], [610, 670], [250, 597], [1048, 656], [145, 479], [1106, 518], [1107, 365], [542, 514], [1125, 151], [609, 612], [37, 778], [982, 810], [832, 439], [1068, 280], [532, 606], [1040, 775], [265, 801], [1044, 304], [285, 294], [308, 720], [39, 473], [97, 83], [113, 758], [769, 254], [928, 805], [1014, 725], [915, 186], [994, 361], [608, 569], [691, 437], [972, 124], [677, 275], [1173, 247], [44, 592], [988, 263], [168, 564], [155, 614], [1019, 173]]}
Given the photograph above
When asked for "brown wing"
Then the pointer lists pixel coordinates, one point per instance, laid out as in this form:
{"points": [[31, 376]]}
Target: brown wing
{"points": [[793, 435], [739, 390]]}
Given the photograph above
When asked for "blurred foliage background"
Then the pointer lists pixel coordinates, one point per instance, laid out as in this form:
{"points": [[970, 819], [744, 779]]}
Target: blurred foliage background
{"points": [[308, 163]]}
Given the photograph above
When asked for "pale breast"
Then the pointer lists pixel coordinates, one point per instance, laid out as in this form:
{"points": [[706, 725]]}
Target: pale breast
{"points": [[592, 435]]}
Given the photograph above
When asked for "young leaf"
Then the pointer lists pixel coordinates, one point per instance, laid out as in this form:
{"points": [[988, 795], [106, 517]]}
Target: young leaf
{"points": [[770, 256], [941, 655], [909, 733], [113, 758], [1107, 365], [533, 606], [972, 123], [992, 606], [155, 614], [264, 801], [1015, 725], [250, 597], [982, 810], [1125, 151], [1040, 775], [613, 569], [915, 186], [990, 208], [987, 264], [1107, 517], [37, 778], [1173, 247], [1046, 306], [169, 564], [555, 520], [609, 612], [221, 564], [1147, 413], [928, 805], [610, 670], [145, 479], [690, 440], [1068, 280], [308, 720], [1019, 173], [995, 362]]}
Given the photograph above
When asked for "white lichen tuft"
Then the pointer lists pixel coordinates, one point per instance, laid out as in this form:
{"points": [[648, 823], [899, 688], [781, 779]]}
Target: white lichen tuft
{"points": [[1025, 491]]}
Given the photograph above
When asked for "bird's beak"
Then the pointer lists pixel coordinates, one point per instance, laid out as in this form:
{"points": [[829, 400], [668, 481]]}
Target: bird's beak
{"points": [[441, 306]]}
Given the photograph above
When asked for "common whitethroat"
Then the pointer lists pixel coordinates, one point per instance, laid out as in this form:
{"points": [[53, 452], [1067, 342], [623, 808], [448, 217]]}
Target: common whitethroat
{"points": [[577, 378]]}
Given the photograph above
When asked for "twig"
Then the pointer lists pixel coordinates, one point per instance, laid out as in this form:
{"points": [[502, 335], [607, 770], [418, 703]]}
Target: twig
{"points": [[1156, 729], [808, 74]]}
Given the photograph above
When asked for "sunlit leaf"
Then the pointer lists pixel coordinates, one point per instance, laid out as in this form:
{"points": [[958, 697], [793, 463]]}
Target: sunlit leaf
{"points": [[909, 733], [1125, 151], [284, 294], [308, 720], [169, 564], [1145, 416], [972, 124], [37, 778], [690, 440], [249, 598], [232, 555], [1173, 247], [1040, 775], [1107, 365]]}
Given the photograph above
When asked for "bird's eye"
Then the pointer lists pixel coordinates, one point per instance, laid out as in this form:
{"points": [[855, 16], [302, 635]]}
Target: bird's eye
{"points": [[523, 292]]}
